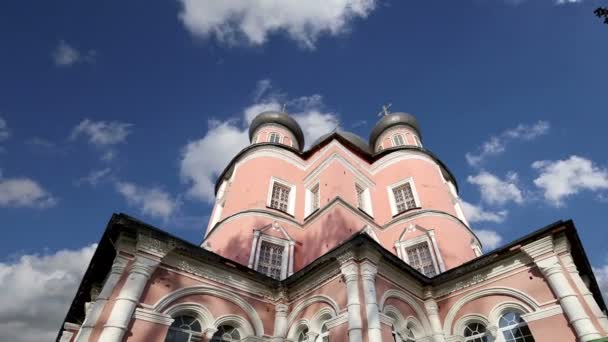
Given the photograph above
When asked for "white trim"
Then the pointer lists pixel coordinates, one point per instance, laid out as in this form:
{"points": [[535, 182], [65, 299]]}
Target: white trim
{"points": [[147, 315], [396, 144], [349, 165], [309, 301], [411, 301], [275, 142], [291, 205], [465, 320], [308, 197], [543, 313], [239, 323], [366, 198], [197, 310], [66, 336], [296, 328], [275, 241], [391, 195], [429, 237]]}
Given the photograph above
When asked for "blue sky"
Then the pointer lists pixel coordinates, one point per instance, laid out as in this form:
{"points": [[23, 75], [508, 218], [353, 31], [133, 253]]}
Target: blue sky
{"points": [[135, 106]]}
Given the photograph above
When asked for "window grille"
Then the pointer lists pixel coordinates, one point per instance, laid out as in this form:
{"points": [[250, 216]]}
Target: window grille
{"points": [[183, 329], [270, 260], [303, 335], [419, 257], [274, 138], [226, 333], [404, 197], [475, 332], [398, 140], [280, 197], [514, 328]]}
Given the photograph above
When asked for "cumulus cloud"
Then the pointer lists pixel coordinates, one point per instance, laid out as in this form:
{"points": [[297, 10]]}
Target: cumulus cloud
{"points": [[476, 213], [251, 22], [496, 191], [66, 55], [102, 133], [562, 178], [36, 293], [489, 239], [224, 139], [4, 132], [24, 193], [498, 144], [601, 275], [150, 201]]}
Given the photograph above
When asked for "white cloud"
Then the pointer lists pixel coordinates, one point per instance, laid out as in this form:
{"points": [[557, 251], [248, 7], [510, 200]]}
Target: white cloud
{"points": [[234, 22], [496, 191], [94, 177], [601, 275], [36, 293], [489, 238], [562, 178], [4, 132], [476, 213], [225, 139], [24, 193], [66, 55], [150, 201], [498, 144], [102, 133]]}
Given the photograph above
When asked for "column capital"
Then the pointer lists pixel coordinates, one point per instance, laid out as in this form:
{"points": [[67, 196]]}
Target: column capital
{"points": [[144, 265], [369, 270], [209, 332], [539, 247], [120, 262], [549, 266], [281, 309], [350, 271], [492, 330], [150, 244]]}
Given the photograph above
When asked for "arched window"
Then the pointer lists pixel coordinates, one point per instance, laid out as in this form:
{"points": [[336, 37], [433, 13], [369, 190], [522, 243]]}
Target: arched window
{"points": [[407, 336], [303, 335], [185, 328], [226, 333], [274, 137], [514, 328], [475, 332], [324, 335], [398, 140]]}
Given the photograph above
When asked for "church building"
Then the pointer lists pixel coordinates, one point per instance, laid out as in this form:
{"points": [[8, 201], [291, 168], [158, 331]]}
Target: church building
{"points": [[345, 241]]}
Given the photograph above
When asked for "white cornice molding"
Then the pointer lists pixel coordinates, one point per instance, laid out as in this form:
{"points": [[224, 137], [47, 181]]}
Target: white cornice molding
{"points": [[543, 313], [153, 316], [540, 247], [338, 320], [314, 174]]}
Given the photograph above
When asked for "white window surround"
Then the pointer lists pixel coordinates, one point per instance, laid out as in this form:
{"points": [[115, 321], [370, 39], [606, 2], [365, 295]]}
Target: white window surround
{"points": [[493, 331], [399, 140], [416, 140], [270, 134], [391, 195], [308, 204], [429, 237], [292, 194], [288, 248], [366, 198]]}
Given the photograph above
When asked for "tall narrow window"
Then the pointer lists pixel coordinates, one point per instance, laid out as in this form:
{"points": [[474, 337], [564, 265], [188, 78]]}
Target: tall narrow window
{"points": [[514, 328], [475, 332], [419, 257], [398, 140], [360, 197], [404, 197], [314, 198], [274, 137], [280, 197], [184, 329], [226, 333], [271, 259]]}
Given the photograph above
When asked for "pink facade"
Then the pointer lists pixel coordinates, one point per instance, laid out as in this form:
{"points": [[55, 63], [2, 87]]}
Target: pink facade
{"points": [[345, 241]]}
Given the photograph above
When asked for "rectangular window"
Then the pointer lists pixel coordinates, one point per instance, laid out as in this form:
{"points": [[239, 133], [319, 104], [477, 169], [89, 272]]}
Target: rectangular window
{"points": [[419, 257], [398, 140], [274, 138], [271, 259], [404, 197], [280, 197], [360, 197], [314, 198]]}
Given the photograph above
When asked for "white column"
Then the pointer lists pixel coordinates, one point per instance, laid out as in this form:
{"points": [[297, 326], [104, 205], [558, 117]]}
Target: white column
{"points": [[552, 271], [280, 322], [584, 290], [432, 311], [97, 307], [291, 256], [124, 306], [256, 236], [368, 275], [440, 262], [350, 271]]}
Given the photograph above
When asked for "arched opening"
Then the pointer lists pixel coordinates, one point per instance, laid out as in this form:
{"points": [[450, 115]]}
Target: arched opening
{"points": [[475, 332], [185, 328], [513, 328], [226, 333]]}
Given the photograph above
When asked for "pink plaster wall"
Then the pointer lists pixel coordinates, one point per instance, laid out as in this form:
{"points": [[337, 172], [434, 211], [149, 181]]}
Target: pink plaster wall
{"points": [[263, 132], [143, 331], [386, 138], [552, 329]]}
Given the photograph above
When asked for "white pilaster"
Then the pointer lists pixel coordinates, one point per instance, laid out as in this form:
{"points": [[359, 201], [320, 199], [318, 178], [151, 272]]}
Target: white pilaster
{"points": [[552, 271], [291, 256], [350, 271], [368, 275], [280, 323], [584, 290], [436, 250], [432, 311], [127, 299], [256, 236], [92, 315]]}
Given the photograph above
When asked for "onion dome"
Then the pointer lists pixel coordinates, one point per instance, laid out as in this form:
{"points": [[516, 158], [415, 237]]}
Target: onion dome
{"points": [[351, 137], [391, 120], [277, 118]]}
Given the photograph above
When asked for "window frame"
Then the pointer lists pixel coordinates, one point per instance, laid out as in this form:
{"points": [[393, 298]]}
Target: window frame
{"points": [[276, 241], [291, 205], [366, 205], [271, 133], [472, 338], [309, 197], [393, 201], [500, 331], [193, 335], [398, 135], [429, 237]]}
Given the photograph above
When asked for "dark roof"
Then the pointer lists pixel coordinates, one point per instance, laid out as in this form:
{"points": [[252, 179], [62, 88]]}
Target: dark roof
{"points": [[101, 262], [351, 137], [279, 118], [391, 120]]}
